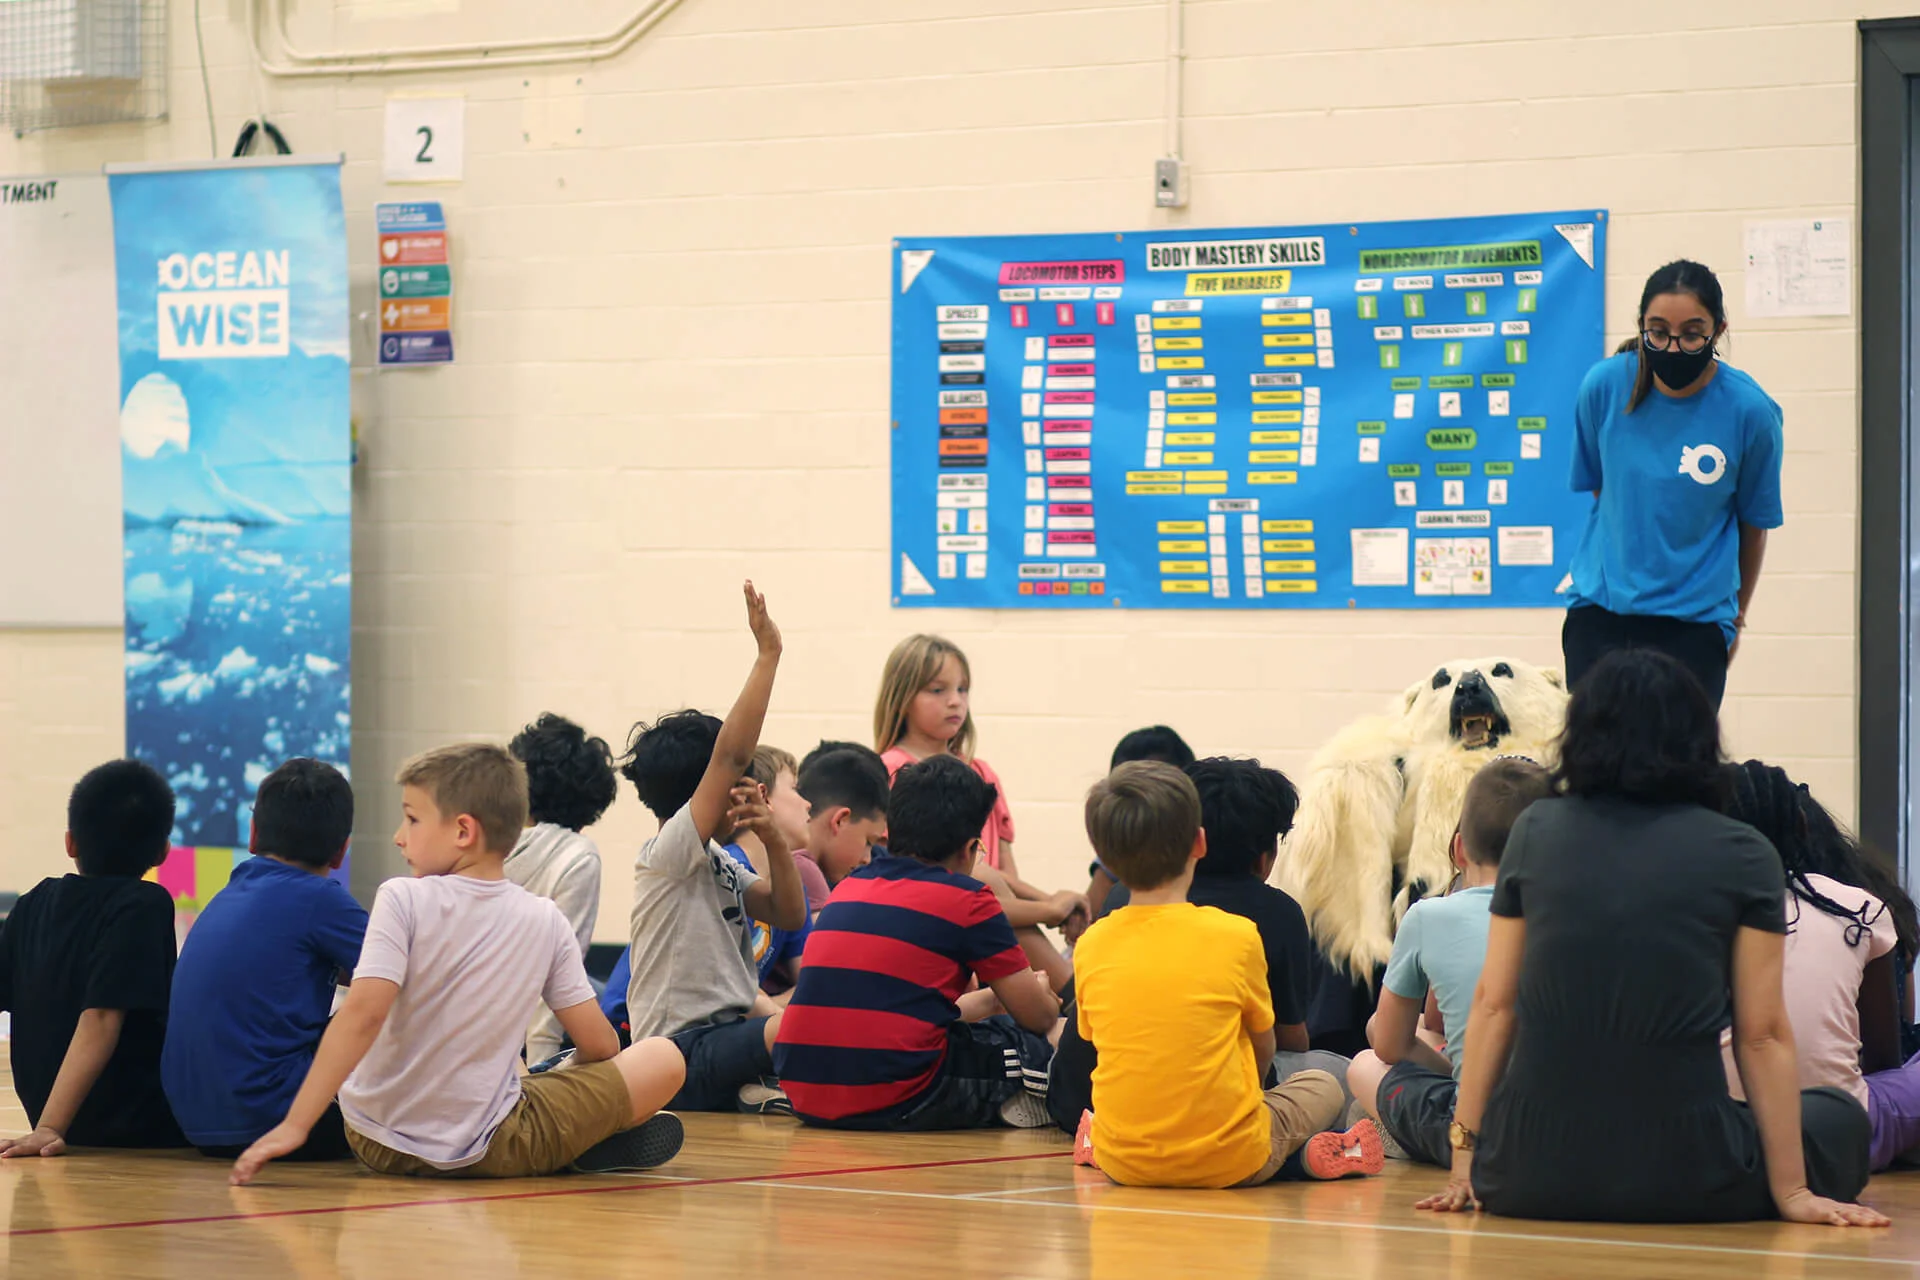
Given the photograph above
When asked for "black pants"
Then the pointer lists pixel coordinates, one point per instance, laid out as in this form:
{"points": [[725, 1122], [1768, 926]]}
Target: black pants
{"points": [[1591, 633], [328, 1141]]}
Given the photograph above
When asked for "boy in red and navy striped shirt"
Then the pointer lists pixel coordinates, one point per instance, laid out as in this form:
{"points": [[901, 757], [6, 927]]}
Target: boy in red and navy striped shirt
{"points": [[882, 1032]]}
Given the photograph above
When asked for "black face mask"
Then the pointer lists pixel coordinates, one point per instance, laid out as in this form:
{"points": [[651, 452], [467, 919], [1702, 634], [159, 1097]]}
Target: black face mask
{"points": [[1678, 369]]}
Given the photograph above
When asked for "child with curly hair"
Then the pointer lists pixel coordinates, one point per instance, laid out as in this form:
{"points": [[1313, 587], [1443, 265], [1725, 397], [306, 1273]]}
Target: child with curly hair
{"points": [[570, 784]]}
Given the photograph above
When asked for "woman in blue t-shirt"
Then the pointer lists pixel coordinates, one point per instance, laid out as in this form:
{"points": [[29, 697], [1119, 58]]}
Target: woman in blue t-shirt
{"points": [[1682, 455]]}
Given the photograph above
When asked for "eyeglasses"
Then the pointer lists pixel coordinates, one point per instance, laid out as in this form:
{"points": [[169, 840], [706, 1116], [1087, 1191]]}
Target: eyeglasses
{"points": [[1691, 343]]}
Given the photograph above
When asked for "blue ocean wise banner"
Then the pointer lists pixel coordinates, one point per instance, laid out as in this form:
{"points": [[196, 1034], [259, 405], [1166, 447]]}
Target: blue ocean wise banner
{"points": [[1371, 415], [235, 450]]}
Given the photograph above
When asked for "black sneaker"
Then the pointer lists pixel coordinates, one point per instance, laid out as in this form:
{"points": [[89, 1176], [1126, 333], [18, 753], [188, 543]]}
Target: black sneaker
{"points": [[648, 1144], [764, 1097]]}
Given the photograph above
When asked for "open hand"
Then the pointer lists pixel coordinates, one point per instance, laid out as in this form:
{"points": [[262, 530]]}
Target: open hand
{"points": [[1804, 1206], [748, 811], [1458, 1195], [41, 1142], [282, 1139], [765, 633]]}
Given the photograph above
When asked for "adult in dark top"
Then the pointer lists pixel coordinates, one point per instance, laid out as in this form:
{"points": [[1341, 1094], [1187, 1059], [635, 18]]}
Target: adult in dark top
{"points": [[1246, 809], [86, 962], [1630, 923]]}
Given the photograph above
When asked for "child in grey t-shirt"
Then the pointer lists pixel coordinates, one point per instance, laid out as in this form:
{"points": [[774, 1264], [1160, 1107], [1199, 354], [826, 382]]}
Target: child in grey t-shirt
{"points": [[694, 977]]}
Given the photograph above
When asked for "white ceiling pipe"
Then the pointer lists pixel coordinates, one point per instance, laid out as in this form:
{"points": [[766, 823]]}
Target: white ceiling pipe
{"points": [[292, 62]]}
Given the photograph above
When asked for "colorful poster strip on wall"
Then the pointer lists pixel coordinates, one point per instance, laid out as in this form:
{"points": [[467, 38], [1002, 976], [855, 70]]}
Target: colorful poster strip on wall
{"points": [[234, 433], [1373, 415], [416, 284]]}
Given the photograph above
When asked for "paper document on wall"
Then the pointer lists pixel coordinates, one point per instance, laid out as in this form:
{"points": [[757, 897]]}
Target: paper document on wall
{"points": [[1800, 267]]}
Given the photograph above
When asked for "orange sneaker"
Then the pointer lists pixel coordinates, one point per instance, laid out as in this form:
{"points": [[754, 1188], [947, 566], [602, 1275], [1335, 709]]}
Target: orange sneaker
{"points": [[1083, 1142], [1356, 1153]]}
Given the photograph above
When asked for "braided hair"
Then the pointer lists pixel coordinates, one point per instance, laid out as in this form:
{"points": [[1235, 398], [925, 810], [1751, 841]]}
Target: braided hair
{"points": [[1810, 842]]}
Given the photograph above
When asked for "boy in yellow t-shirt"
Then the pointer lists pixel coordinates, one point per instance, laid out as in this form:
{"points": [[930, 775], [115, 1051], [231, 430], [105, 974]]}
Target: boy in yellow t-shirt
{"points": [[1174, 997]]}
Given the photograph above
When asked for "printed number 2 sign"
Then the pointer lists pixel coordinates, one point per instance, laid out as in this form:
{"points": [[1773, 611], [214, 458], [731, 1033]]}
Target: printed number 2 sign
{"points": [[426, 139]]}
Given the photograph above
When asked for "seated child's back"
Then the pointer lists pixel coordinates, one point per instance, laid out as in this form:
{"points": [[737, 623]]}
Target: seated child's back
{"points": [[257, 974], [98, 941], [875, 1036]]}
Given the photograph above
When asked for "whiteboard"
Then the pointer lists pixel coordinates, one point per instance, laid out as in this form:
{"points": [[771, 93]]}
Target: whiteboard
{"points": [[59, 404]]}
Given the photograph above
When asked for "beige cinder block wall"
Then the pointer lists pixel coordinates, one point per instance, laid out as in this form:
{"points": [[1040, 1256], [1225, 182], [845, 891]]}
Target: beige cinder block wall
{"points": [[673, 323]]}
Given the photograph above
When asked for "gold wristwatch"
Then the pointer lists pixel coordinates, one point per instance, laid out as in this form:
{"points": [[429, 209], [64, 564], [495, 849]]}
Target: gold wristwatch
{"points": [[1462, 1138]]}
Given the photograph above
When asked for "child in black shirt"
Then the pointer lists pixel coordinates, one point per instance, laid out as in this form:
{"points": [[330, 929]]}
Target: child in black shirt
{"points": [[86, 966]]}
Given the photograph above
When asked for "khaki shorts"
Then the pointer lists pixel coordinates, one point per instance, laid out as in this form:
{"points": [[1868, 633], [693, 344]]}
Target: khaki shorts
{"points": [[559, 1115], [1298, 1107]]}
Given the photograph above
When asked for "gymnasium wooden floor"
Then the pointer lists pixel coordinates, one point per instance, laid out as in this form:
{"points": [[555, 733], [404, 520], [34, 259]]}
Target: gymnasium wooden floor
{"points": [[752, 1197]]}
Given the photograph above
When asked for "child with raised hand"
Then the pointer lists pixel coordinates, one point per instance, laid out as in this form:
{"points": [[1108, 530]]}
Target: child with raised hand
{"points": [[1403, 1081], [1175, 995], [424, 1053], [86, 963], [925, 709], [238, 1046], [882, 1032], [570, 784], [694, 974]]}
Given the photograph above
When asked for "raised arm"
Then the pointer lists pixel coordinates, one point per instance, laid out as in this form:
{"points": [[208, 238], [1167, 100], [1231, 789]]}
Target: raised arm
{"points": [[740, 732]]}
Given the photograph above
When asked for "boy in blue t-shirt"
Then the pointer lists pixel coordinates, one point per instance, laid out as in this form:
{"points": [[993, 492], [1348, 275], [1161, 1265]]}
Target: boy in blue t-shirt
{"points": [[1403, 1081], [256, 977]]}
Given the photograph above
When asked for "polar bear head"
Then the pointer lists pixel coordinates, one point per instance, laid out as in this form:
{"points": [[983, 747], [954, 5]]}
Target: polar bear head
{"points": [[1476, 703]]}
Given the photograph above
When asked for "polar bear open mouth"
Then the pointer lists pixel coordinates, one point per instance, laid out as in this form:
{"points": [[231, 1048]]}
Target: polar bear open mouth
{"points": [[1477, 721]]}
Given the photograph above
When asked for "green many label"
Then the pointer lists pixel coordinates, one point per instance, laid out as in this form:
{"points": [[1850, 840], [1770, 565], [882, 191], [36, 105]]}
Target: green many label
{"points": [[1451, 439]]}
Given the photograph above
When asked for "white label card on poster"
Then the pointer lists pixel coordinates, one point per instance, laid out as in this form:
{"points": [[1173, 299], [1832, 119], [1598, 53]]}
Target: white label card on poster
{"points": [[1800, 267], [426, 139]]}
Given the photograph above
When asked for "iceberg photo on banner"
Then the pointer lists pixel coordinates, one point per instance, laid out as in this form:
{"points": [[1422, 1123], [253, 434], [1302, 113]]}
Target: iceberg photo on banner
{"points": [[235, 457]]}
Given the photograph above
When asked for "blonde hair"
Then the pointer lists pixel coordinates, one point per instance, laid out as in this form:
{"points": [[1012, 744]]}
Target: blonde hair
{"points": [[769, 763], [1142, 819], [478, 779], [911, 666]]}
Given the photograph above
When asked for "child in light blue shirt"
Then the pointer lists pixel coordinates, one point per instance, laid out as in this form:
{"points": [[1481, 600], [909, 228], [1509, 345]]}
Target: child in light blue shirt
{"points": [[1404, 1081]]}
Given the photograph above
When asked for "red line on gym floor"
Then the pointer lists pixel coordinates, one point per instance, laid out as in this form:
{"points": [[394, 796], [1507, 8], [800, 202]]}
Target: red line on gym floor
{"points": [[535, 1195]]}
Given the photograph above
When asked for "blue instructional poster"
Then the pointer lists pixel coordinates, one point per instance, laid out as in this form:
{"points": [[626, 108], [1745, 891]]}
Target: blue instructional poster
{"points": [[235, 448], [1372, 415]]}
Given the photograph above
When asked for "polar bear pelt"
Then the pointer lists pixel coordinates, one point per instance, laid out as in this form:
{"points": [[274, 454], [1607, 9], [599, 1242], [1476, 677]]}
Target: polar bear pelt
{"points": [[1382, 799]]}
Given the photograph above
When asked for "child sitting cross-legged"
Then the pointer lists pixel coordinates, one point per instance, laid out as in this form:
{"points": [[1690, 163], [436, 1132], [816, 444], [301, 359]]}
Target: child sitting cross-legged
{"points": [[882, 1032], [1175, 998], [1403, 1080], [425, 1051]]}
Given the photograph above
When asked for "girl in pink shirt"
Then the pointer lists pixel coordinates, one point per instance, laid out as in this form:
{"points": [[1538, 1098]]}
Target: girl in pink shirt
{"points": [[1851, 930], [924, 709]]}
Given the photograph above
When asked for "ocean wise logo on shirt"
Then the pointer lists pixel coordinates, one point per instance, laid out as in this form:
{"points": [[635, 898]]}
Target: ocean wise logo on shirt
{"points": [[1705, 463]]}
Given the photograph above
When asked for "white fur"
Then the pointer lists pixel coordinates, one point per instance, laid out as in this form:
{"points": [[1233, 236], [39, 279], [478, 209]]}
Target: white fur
{"points": [[1384, 797]]}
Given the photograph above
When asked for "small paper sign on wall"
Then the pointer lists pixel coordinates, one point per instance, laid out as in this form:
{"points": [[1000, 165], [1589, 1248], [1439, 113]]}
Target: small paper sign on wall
{"points": [[416, 285], [425, 139], [1799, 267]]}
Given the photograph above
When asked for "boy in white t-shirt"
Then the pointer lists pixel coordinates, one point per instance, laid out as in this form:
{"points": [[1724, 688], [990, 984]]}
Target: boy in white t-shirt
{"points": [[424, 1053]]}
